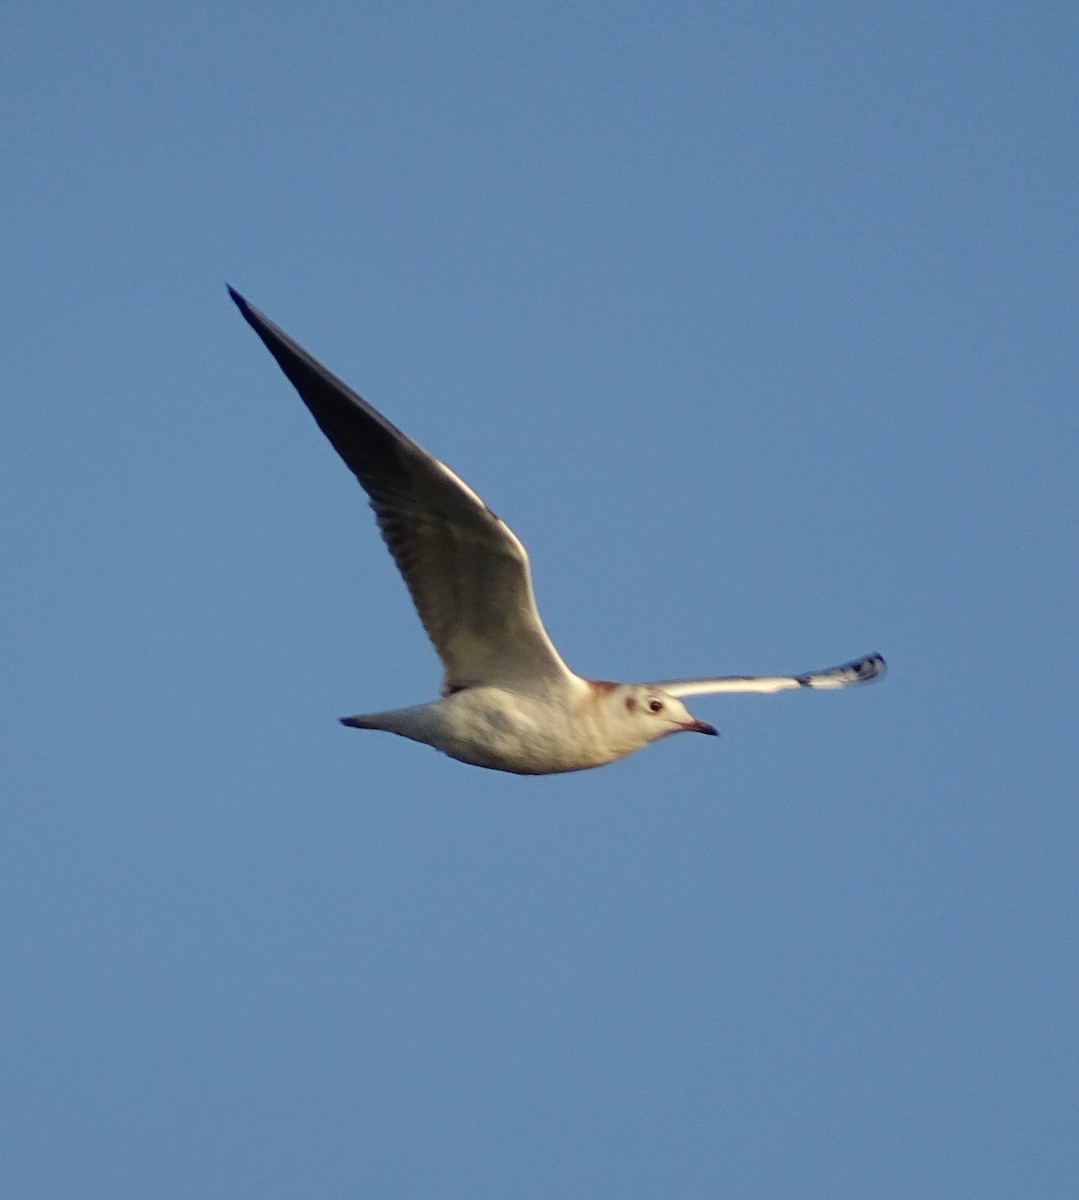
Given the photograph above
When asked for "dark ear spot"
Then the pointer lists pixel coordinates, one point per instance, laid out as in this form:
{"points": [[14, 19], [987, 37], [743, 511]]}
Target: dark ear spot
{"points": [[631, 703]]}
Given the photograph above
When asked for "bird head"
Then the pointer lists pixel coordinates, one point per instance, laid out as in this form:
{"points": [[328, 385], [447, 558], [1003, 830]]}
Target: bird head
{"points": [[638, 713]]}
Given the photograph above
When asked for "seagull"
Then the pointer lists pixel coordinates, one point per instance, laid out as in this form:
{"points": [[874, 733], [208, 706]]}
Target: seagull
{"points": [[509, 702]]}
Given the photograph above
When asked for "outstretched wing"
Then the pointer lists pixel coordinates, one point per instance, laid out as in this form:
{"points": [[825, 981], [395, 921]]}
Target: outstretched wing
{"points": [[861, 670], [466, 571]]}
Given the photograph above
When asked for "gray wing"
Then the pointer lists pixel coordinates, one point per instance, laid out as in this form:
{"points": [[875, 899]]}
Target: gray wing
{"points": [[861, 670], [466, 571]]}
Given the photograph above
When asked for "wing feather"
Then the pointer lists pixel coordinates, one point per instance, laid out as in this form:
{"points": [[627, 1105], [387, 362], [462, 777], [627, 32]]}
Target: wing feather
{"points": [[466, 571], [860, 670]]}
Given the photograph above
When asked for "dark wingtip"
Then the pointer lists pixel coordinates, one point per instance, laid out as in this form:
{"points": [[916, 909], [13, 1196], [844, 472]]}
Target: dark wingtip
{"points": [[860, 670], [237, 299], [871, 667]]}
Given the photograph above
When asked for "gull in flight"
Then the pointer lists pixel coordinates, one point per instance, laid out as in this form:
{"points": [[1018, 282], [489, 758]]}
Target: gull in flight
{"points": [[508, 702]]}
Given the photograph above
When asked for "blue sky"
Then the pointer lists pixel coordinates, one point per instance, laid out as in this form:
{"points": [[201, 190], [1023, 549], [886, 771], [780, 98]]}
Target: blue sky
{"points": [[757, 324]]}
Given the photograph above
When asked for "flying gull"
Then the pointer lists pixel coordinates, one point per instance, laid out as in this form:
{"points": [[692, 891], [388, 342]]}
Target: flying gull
{"points": [[508, 702]]}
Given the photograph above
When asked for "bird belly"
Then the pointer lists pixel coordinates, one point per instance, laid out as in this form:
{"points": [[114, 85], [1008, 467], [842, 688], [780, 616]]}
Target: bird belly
{"points": [[525, 735]]}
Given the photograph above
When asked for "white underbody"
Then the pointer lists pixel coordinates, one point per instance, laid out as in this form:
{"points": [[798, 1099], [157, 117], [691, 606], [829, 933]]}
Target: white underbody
{"points": [[510, 731]]}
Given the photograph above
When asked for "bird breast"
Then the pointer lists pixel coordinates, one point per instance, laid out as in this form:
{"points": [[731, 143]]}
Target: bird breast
{"points": [[525, 734]]}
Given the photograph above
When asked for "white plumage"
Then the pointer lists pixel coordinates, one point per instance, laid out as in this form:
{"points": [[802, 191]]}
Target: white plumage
{"points": [[508, 702]]}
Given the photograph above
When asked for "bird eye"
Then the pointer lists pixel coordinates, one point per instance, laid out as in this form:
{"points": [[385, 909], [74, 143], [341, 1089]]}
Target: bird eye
{"points": [[655, 706]]}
